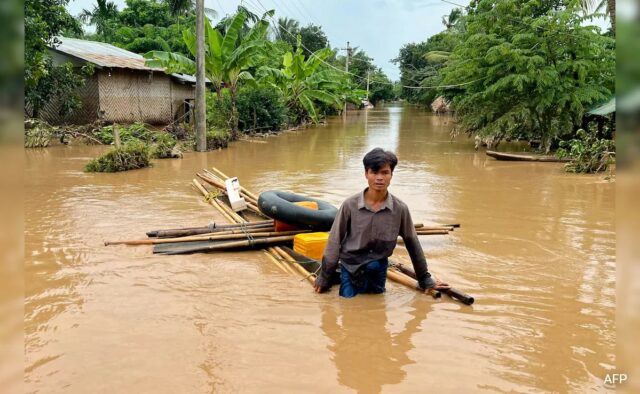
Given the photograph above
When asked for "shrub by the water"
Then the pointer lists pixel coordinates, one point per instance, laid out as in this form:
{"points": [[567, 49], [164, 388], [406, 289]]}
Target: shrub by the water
{"points": [[130, 156], [588, 152], [260, 109], [217, 138], [164, 144], [38, 133], [219, 111], [135, 131]]}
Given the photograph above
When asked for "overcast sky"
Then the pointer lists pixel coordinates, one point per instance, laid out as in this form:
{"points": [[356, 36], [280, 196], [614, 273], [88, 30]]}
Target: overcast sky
{"points": [[379, 27]]}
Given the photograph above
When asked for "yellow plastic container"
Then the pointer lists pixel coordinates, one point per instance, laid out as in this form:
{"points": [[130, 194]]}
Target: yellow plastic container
{"points": [[311, 244]]}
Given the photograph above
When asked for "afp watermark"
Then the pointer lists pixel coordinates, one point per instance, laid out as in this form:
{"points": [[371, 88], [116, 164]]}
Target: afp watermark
{"points": [[615, 379]]}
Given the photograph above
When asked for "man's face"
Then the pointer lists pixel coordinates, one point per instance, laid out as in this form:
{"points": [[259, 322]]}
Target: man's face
{"points": [[379, 180]]}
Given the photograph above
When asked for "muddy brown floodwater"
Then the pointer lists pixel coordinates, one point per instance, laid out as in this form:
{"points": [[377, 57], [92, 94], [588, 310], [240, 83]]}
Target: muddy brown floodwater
{"points": [[536, 249]]}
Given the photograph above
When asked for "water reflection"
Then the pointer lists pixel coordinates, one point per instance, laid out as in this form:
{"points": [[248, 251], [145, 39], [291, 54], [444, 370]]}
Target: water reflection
{"points": [[366, 353]]}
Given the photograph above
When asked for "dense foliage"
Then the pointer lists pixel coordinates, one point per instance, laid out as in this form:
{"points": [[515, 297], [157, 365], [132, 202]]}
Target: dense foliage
{"points": [[260, 109], [588, 152], [514, 69], [534, 74], [44, 82]]}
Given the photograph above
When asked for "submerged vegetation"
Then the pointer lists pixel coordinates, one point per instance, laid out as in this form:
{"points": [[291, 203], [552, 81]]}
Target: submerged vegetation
{"points": [[130, 156], [589, 153]]}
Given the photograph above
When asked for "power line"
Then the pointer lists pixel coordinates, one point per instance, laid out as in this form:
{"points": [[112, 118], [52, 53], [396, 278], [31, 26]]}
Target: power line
{"points": [[362, 78]]}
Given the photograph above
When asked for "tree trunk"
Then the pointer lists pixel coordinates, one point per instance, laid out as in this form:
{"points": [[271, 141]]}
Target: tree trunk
{"points": [[234, 113], [611, 10]]}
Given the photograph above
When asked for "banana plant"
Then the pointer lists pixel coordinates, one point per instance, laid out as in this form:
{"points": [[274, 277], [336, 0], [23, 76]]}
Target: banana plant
{"points": [[227, 57], [303, 82]]}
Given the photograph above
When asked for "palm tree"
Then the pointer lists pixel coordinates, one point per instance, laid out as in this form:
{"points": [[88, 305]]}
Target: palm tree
{"points": [[184, 7], [598, 5], [450, 21], [286, 30], [102, 16]]}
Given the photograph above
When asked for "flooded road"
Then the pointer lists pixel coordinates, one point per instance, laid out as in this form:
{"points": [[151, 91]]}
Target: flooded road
{"points": [[536, 249]]}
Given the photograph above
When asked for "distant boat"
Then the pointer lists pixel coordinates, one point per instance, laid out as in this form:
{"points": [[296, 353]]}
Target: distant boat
{"points": [[525, 157]]}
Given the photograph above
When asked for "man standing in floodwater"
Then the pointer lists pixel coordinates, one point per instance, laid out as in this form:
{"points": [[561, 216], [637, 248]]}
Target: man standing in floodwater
{"points": [[365, 232]]}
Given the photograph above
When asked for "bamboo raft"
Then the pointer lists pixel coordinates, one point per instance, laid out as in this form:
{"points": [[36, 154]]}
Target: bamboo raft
{"points": [[259, 233]]}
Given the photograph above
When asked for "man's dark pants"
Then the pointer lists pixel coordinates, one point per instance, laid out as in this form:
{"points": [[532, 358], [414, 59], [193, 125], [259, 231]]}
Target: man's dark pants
{"points": [[370, 278]]}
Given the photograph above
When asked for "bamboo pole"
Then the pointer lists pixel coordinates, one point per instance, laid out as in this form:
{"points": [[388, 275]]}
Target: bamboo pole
{"points": [[432, 232], [453, 293], [406, 280], [277, 256], [276, 262], [217, 237], [239, 244], [187, 231], [251, 203], [220, 182], [224, 177], [430, 228], [215, 204], [232, 213], [310, 278]]}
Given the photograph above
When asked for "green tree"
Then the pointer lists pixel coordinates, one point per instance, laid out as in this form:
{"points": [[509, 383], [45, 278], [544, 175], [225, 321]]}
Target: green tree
{"points": [[43, 82], [452, 20], [313, 38], [228, 57], [598, 5], [380, 87], [304, 83], [286, 29], [103, 16], [534, 72]]}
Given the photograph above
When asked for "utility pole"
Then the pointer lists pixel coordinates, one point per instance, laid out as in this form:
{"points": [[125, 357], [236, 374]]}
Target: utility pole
{"points": [[367, 86], [201, 119], [348, 49]]}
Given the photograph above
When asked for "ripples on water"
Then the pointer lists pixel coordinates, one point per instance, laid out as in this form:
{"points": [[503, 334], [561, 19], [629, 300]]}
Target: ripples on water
{"points": [[536, 249]]}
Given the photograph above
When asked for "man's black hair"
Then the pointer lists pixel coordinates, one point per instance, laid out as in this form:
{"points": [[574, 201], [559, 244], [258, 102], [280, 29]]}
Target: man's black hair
{"points": [[377, 158]]}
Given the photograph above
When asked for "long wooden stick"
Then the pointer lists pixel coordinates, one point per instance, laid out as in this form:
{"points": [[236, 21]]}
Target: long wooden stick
{"points": [[295, 264], [432, 232], [224, 177], [217, 237], [212, 201], [279, 258], [276, 262], [220, 183], [453, 293], [232, 245], [406, 280], [214, 228]]}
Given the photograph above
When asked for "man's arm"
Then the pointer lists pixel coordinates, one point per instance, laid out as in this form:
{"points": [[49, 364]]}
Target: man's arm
{"points": [[410, 237], [331, 253]]}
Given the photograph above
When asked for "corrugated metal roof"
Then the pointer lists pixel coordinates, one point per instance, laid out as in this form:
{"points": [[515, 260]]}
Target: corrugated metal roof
{"points": [[605, 109], [101, 54], [107, 55]]}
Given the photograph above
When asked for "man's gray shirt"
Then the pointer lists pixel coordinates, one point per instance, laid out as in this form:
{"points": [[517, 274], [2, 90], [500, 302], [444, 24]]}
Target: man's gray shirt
{"points": [[360, 235]]}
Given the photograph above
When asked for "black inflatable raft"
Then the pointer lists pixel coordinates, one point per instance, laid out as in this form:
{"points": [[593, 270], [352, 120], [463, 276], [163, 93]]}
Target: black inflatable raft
{"points": [[280, 205]]}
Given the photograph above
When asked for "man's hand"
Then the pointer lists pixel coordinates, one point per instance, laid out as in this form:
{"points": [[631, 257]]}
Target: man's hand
{"points": [[318, 285], [438, 286]]}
